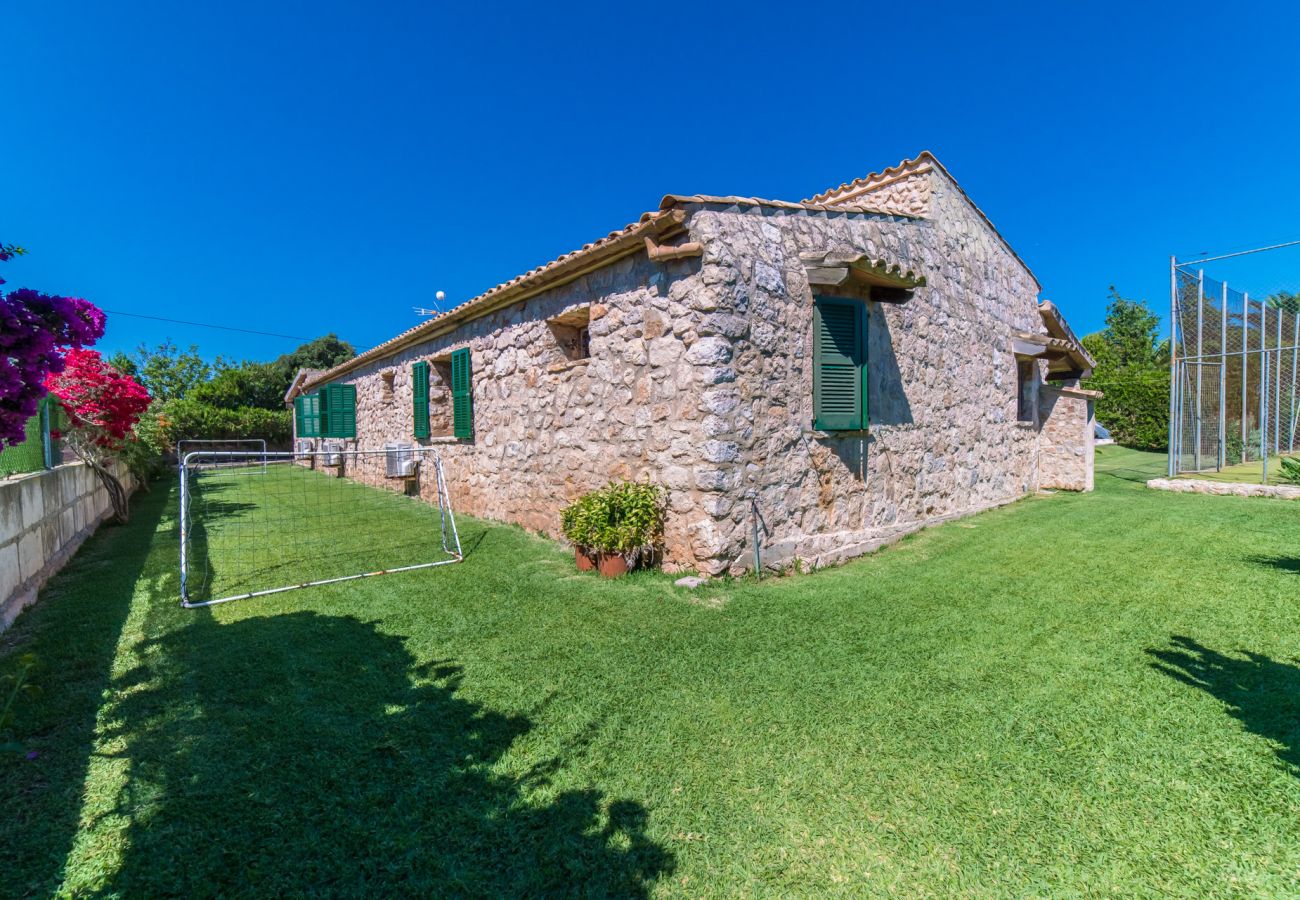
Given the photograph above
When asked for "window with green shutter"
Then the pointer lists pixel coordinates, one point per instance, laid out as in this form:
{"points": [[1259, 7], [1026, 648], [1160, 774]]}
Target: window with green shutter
{"points": [[462, 396], [420, 397], [312, 413], [338, 410], [306, 411], [839, 364]]}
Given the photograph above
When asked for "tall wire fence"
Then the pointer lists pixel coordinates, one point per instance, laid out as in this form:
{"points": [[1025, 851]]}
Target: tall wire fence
{"points": [[1235, 385], [40, 448]]}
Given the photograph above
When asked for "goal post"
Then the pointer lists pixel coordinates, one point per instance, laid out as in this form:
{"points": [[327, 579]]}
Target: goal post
{"points": [[241, 446], [315, 517]]}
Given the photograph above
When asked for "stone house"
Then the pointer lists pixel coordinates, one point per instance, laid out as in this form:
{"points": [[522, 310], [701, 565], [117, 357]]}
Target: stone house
{"points": [[827, 374]]}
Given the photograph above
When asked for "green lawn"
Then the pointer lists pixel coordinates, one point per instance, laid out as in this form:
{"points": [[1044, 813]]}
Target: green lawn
{"points": [[1250, 472], [1075, 695]]}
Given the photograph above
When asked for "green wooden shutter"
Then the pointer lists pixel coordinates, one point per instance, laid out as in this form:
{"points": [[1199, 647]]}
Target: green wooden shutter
{"points": [[462, 395], [323, 405], [839, 365], [420, 397], [339, 411], [299, 423], [348, 427], [311, 415]]}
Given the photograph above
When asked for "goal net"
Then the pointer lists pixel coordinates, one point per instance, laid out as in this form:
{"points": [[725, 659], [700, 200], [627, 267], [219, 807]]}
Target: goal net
{"points": [[313, 517], [245, 451]]}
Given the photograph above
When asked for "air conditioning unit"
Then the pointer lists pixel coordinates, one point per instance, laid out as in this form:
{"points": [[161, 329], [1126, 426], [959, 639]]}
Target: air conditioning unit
{"points": [[302, 448], [400, 460], [333, 451]]}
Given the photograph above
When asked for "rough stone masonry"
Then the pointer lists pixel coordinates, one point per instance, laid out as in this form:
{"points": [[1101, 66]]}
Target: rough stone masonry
{"points": [[695, 371]]}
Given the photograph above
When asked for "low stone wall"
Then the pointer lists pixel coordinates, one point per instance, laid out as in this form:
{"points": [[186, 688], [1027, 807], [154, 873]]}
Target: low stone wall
{"points": [[44, 517], [1227, 488]]}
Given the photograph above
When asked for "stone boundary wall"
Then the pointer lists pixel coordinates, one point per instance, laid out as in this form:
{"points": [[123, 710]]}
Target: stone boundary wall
{"points": [[1224, 488], [44, 517]]}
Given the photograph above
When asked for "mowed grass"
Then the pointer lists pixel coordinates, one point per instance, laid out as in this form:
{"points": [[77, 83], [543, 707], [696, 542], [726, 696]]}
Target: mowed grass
{"points": [[1074, 695], [257, 528], [1251, 472]]}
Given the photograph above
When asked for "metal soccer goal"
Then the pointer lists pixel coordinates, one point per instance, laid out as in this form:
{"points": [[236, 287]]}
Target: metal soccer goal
{"points": [[242, 446], [315, 517]]}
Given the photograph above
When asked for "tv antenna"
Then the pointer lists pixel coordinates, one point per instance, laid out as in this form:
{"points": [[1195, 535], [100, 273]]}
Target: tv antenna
{"points": [[437, 306]]}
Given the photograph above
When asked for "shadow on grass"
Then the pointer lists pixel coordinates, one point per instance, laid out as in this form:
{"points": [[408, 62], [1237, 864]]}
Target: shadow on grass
{"points": [[307, 753], [74, 632], [1136, 476], [1260, 692], [1285, 563]]}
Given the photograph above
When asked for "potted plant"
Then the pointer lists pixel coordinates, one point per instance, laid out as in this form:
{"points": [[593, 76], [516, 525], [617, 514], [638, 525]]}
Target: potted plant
{"points": [[621, 524], [576, 522]]}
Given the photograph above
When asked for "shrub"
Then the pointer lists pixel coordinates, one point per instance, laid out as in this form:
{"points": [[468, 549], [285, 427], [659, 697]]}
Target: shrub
{"points": [[624, 518], [1290, 470], [172, 420]]}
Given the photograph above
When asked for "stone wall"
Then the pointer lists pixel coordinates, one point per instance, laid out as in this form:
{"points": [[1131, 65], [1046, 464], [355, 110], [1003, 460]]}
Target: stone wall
{"points": [[1066, 443], [44, 517], [943, 438], [700, 379], [548, 428]]}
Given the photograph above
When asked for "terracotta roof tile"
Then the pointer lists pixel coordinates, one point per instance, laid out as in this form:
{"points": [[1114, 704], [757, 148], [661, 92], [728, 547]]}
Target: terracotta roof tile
{"points": [[628, 238]]}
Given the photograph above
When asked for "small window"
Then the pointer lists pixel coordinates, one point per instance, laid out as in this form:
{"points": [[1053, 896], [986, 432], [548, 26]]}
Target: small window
{"points": [[420, 398], [839, 365], [1026, 390], [573, 334], [338, 410], [462, 395], [306, 408], [386, 392]]}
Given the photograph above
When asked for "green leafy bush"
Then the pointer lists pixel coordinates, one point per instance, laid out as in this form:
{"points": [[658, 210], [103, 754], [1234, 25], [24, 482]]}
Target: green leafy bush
{"points": [[1290, 470], [624, 518], [1132, 372], [172, 420]]}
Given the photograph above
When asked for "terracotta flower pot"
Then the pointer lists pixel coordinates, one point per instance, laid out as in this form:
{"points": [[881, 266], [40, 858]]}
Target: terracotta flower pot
{"points": [[584, 560], [612, 565]]}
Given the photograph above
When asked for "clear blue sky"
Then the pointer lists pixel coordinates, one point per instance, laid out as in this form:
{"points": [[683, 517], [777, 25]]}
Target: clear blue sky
{"points": [[316, 166]]}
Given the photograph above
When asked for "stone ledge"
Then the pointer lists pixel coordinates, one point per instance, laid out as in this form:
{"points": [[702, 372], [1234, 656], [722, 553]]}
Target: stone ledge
{"points": [[1224, 488]]}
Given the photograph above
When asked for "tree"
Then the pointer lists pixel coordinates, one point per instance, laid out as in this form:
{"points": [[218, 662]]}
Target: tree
{"points": [[124, 364], [102, 405], [1132, 370], [35, 331], [167, 372], [255, 384], [323, 353]]}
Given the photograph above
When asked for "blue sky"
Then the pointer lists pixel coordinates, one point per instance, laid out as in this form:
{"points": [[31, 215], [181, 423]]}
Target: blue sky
{"points": [[310, 167]]}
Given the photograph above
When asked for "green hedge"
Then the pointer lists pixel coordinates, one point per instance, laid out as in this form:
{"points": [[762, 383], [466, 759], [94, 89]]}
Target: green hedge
{"points": [[185, 419]]}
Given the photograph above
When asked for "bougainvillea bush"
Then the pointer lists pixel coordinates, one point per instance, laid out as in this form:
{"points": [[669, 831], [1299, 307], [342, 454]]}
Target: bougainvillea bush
{"points": [[35, 331], [102, 405]]}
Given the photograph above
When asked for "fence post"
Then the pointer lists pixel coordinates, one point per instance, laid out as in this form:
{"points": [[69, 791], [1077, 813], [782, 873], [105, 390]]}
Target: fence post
{"points": [[1200, 350], [1245, 371], [1223, 378], [1173, 364], [1277, 388]]}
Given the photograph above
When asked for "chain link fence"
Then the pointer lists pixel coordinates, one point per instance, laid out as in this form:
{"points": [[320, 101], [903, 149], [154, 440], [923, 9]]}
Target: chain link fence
{"points": [[1235, 386], [39, 449]]}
